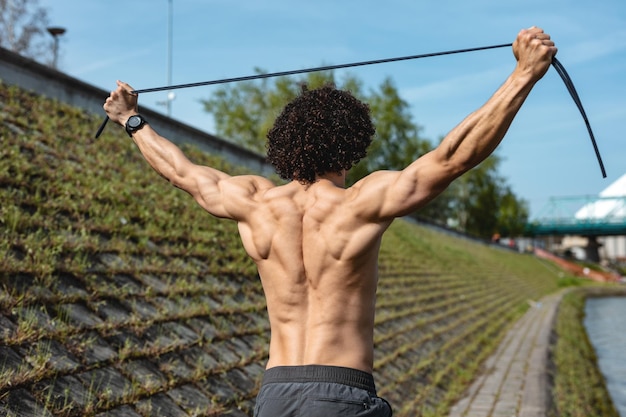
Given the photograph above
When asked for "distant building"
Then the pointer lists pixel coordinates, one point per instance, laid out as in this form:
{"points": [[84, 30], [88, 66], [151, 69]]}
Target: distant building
{"points": [[608, 208]]}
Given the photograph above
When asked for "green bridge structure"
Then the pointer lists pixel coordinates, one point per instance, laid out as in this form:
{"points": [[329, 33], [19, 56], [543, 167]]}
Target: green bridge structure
{"points": [[581, 216], [587, 216]]}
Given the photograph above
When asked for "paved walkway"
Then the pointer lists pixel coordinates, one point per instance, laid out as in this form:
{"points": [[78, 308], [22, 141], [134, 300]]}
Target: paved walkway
{"points": [[515, 383]]}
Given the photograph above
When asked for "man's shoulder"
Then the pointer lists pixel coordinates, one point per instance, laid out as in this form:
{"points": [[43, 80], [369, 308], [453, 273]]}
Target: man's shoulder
{"points": [[253, 182], [376, 179]]}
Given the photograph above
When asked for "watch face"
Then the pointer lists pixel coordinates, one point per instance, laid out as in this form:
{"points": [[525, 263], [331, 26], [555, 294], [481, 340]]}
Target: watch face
{"points": [[134, 121]]}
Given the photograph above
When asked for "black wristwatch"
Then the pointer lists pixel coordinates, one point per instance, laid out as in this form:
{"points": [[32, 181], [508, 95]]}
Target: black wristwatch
{"points": [[134, 123]]}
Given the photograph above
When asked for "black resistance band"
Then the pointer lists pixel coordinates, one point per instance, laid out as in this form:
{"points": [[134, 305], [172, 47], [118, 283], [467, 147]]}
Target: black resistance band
{"points": [[572, 91], [557, 65]]}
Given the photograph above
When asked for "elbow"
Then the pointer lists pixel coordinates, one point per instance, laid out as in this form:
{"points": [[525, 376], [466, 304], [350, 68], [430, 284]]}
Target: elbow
{"points": [[455, 167], [177, 180], [175, 177], [461, 168], [179, 174], [459, 164], [456, 161]]}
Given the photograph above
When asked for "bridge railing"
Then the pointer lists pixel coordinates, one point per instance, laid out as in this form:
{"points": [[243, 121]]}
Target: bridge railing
{"points": [[581, 215]]}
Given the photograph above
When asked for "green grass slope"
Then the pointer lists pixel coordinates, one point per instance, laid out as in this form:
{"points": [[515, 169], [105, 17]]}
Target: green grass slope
{"points": [[120, 296]]}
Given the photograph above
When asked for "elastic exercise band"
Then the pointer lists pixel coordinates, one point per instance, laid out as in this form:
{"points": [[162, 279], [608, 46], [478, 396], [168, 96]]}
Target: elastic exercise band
{"points": [[555, 63], [301, 71], [572, 91]]}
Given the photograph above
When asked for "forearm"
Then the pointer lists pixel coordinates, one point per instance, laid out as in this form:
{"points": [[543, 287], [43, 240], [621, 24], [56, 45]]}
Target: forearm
{"points": [[162, 155], [478, 135], [482, 131], [468, 144], [474, 139]]}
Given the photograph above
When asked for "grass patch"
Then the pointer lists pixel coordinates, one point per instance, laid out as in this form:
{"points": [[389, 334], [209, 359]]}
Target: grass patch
{"points": [[137, 296], [579, 389]]}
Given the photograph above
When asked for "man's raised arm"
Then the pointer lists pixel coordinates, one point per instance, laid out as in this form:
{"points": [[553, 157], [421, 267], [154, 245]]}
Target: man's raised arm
{"points": [[217, 192], [469, 143]]}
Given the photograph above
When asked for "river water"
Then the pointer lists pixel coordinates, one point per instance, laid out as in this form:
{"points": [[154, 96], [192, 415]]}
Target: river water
{"points": [[605, 322]]}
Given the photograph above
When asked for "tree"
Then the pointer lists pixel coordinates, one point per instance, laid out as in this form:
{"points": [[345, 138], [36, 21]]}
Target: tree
{"points": [[23, 29], [246, 111], [484, 204], [397, 141], [513, 214], [478, 203]]}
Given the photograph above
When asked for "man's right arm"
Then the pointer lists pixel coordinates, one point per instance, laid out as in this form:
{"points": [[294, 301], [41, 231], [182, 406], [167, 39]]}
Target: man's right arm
{"points": [[222, 195], [393, 194]]}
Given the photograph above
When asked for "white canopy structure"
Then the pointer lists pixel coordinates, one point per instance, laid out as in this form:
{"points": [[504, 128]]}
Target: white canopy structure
{"points": [[611, 203]]}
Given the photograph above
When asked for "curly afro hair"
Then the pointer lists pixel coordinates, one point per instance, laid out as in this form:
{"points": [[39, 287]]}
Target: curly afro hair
{"points": [[321, 131]]}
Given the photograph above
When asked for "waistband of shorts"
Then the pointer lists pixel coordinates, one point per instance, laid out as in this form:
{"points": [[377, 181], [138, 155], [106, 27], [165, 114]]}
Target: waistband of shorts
{"points": [[321, 373]]}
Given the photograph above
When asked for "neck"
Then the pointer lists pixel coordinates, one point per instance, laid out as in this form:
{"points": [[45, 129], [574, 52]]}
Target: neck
{"points": [[338, 179]]}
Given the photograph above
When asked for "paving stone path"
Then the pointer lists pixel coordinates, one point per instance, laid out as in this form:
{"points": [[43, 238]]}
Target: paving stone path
{"points": [[515, 381]]}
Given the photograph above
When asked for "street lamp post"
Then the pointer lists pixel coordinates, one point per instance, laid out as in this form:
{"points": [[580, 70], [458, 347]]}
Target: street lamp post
{"points": [[170, 25], [171, 95], [56, 32]]}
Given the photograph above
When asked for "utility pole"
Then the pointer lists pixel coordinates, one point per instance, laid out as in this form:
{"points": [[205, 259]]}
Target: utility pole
{"points": [[170, 24], [171, 96]]}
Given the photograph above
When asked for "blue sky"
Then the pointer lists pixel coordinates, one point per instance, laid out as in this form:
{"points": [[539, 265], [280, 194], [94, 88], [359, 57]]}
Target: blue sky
{"points": [[547, 152]]}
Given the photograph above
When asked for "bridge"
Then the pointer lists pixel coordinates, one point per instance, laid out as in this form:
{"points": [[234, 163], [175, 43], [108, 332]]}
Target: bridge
{"points": [[588, 216], [582, 216]]}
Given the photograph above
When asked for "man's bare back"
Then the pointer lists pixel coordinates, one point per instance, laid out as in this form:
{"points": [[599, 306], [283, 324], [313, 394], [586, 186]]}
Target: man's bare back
{"points": [[318, 264], [316, 242]]}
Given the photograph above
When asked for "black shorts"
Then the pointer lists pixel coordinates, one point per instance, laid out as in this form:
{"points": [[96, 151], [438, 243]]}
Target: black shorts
{"points": [[319, 391]]}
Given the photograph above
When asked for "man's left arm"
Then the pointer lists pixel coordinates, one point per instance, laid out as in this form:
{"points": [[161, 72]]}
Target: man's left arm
{"points": [[393, 194]]}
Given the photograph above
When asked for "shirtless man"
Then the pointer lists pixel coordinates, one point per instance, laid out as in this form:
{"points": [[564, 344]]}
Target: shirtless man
{"points": [[315, 242]]}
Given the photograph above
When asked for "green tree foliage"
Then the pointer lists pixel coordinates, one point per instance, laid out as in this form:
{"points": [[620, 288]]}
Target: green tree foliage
{"points": [[244, 112], [513, 214], [478, 203], [397, 141], [23, 29], [484, 204]]}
